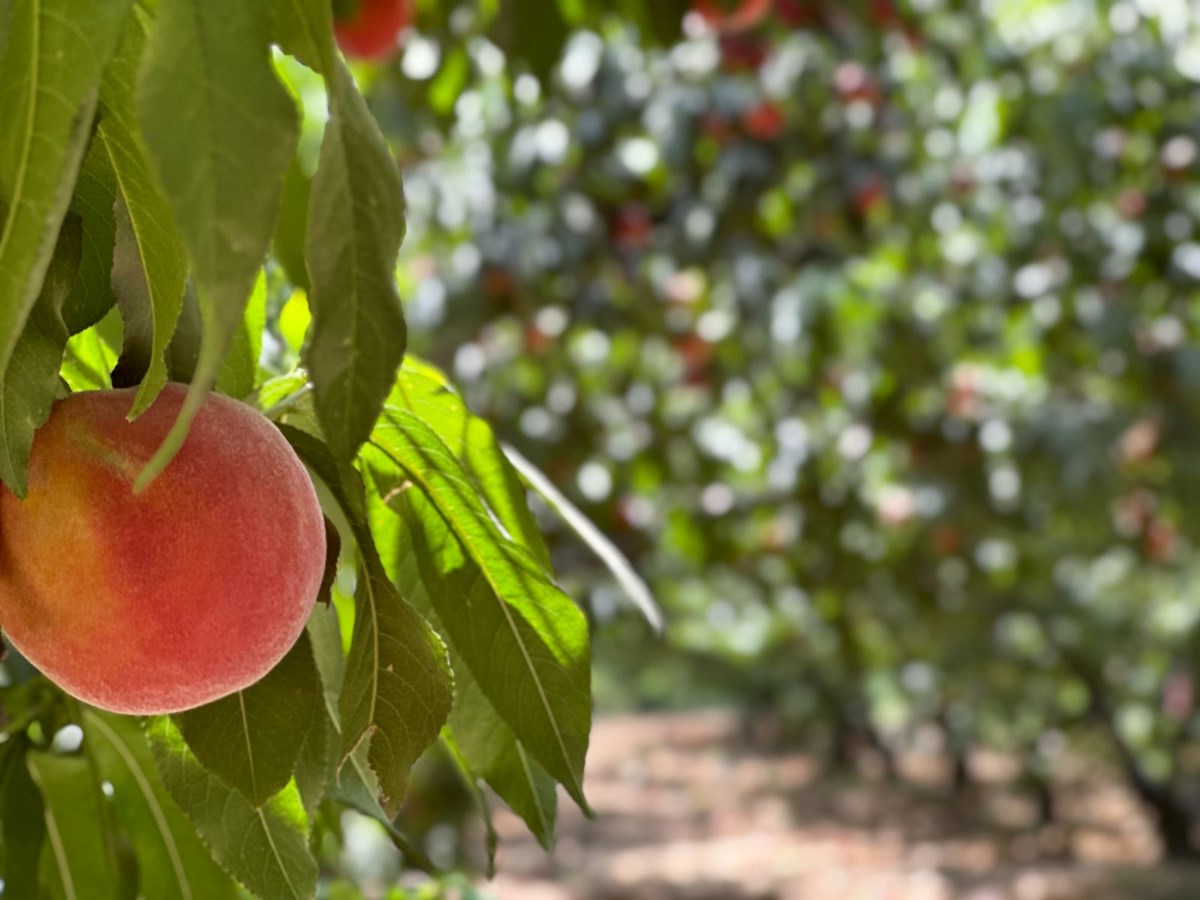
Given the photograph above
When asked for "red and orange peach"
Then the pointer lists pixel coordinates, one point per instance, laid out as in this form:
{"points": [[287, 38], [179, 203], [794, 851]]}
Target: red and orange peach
{"points": [[168, 599]]}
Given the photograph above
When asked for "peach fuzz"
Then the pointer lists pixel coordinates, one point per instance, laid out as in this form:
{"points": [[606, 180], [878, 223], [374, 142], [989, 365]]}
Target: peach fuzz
{"points": [[168, 599]]}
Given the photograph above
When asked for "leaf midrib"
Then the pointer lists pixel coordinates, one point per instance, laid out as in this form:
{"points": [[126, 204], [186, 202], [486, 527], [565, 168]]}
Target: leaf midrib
{"points": [[477, 556], [283, 869], [27, 134], [60, 854], [156, 809]]}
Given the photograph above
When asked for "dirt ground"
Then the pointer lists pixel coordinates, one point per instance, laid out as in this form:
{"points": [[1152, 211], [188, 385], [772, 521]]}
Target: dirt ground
{"points": [[685, 808]]}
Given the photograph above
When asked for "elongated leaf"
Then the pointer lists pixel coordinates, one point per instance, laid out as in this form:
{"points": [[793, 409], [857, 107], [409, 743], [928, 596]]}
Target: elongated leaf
{"points": [[27, 394], [491, 837], [22, 823], [315, 769], [81, 848], [395, 693], [424, 391], [171, 860], [425, 559], [239, 371], [635, 587], [356, 224], [95, 193], [524, 639], [494, 754], [221, 131], [266, 849], [151, 266], [355, 227], [251, 739], [357, 788], [288, 244], [304, 28], [49, 76], [5, 21], [397, 687]]}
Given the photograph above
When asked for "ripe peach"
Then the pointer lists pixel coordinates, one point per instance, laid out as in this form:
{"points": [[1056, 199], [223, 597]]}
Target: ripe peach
{"points": [[168, 599], [371, 30]]}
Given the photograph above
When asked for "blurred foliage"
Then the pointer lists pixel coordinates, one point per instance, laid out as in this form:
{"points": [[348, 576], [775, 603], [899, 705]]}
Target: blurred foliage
{"points": [[867, 330]]}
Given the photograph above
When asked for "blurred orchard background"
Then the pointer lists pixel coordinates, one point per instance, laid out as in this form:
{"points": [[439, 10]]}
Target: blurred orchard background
{"points": [[867, 330]]}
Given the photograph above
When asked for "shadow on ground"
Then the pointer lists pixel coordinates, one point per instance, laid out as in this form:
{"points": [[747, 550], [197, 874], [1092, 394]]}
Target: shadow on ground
{"points": [[686, 809]]}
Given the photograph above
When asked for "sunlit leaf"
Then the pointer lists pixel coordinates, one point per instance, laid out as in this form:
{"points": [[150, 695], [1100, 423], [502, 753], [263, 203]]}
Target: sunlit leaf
{"points": [[266, 849], [171, 860], [525, 641]]}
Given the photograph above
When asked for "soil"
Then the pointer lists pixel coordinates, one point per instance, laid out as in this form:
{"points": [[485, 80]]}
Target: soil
{"points": [[686, 808]]}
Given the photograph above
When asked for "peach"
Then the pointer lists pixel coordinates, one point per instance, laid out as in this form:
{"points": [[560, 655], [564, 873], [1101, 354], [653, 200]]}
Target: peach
{"points": [[372, 28], [165, 600]]}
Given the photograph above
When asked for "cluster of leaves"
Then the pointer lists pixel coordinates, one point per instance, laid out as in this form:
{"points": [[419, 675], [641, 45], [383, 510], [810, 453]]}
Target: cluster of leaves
{"points": [[868, 330], [161, 195]]}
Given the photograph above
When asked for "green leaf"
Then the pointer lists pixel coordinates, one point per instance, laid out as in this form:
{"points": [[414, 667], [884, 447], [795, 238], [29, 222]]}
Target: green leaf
{"points": [[80, 847], [28, 392], [221, 131], [397, 684], [49, 75], [493, 753], [491, 837], [239, 371], [356, 224], [183, 353], [288, 244], [525, 641], [326, 639], [150, 267], [304, 29], [251, 738], [266, 849], [294, 319], [413, 539], [5, 21], [315, 768], [95, 193], [357, 788], [425, 392], [171, 860], [22, 823], [91, 355]]}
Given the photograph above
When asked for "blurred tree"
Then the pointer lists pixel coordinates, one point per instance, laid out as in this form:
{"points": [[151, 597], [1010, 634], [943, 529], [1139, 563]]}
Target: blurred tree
{"points": [[866, 329]]}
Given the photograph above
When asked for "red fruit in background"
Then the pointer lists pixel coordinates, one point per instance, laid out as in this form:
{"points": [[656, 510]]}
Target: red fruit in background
{"points": [[798, 13], [631, 227], [1161, 540], [870, 197], [371, 28], [745, 15], [717, 127], [764, 121], [947, 540], [853, 82], [696, 353], [883, 13], [742, 52]]}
